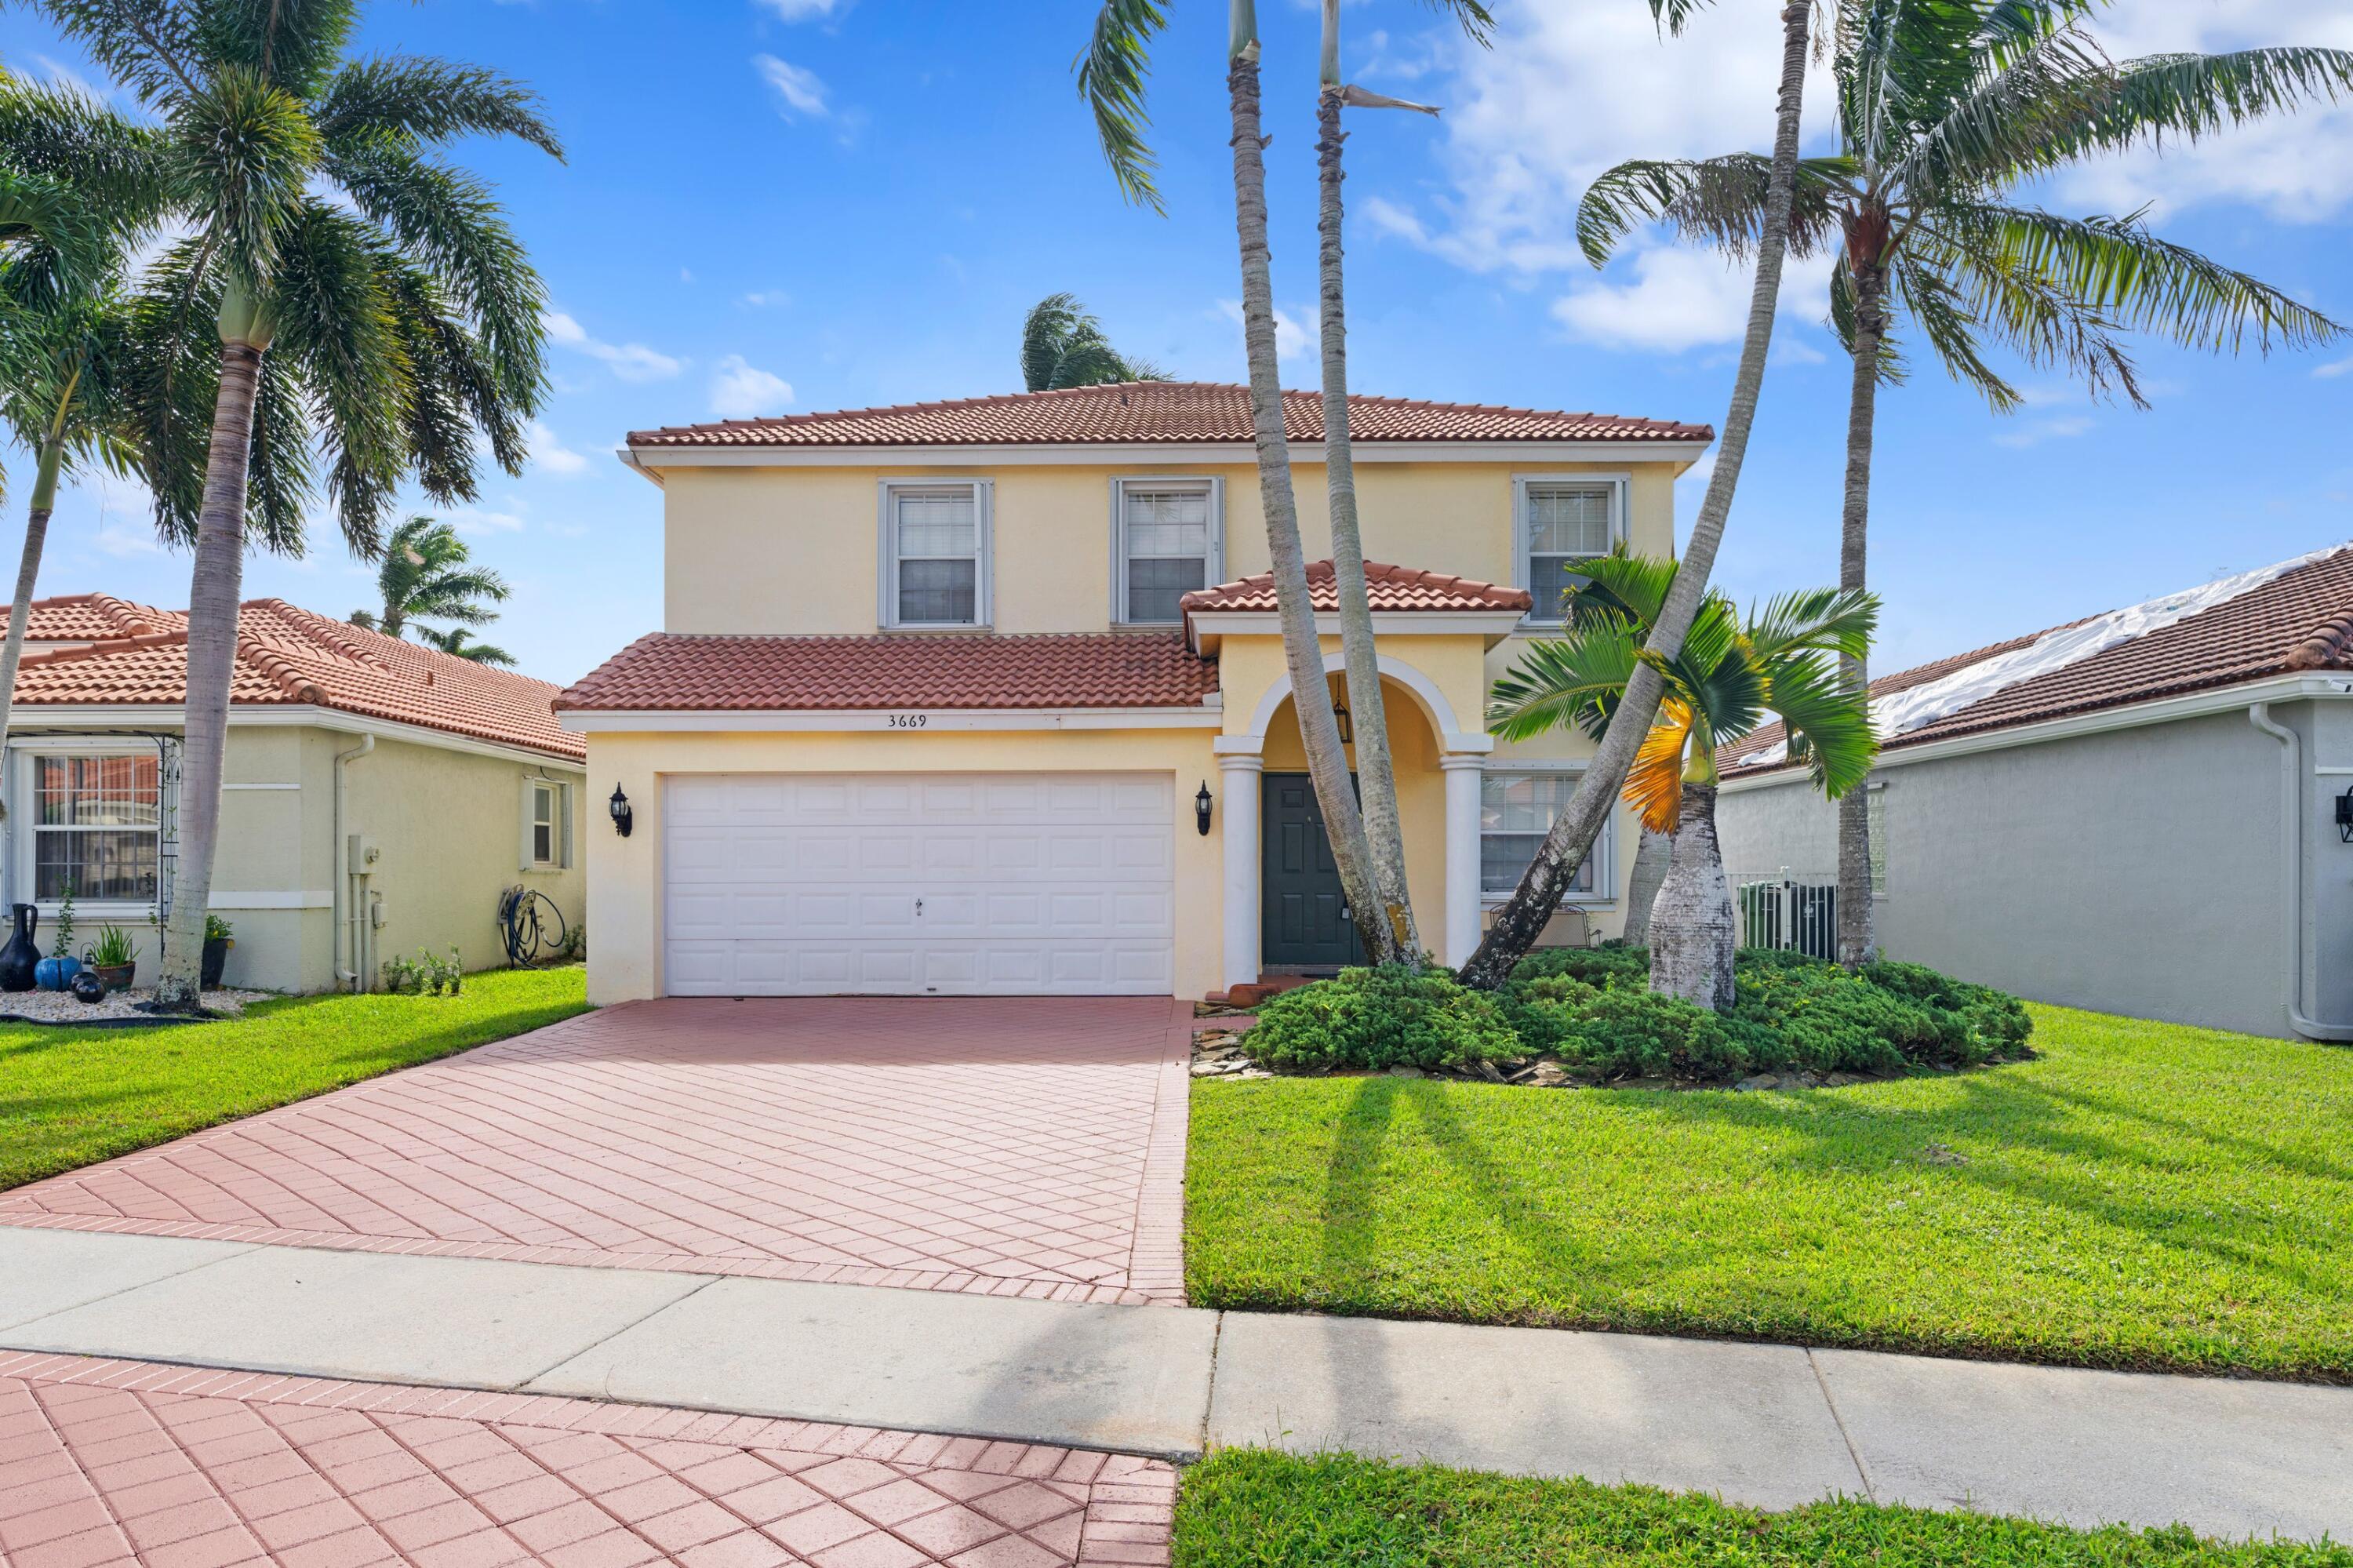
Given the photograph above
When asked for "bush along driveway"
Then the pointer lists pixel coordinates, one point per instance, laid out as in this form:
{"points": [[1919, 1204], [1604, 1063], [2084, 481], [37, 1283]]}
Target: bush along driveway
{"points": [[2141, 1195], [72, 1096]]}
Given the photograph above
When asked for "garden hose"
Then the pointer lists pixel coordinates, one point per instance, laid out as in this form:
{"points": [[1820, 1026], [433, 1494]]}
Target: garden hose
{"points": [[524, 929]]}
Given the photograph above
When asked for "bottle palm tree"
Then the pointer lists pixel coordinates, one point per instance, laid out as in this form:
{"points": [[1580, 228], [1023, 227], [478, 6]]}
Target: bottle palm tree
{"points": [[459, 641], [347, 307], [426, 575], [1727, 679], [1942, 110], [1062, 345], [1516, 925]]}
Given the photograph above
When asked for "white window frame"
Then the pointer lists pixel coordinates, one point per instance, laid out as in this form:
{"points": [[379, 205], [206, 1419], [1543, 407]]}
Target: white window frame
{"points": [[1620, 488], [560, 823], [1604, 858], [886, 595], [1213, 569], [24, 807]]}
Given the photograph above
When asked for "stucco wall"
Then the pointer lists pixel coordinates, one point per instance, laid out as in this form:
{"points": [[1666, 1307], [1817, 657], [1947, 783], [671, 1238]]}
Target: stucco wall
{"points": [[2134, 872], [795, 549]]}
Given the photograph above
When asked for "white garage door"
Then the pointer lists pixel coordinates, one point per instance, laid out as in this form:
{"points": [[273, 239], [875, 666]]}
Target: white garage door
{"points": [[1004, 884]]}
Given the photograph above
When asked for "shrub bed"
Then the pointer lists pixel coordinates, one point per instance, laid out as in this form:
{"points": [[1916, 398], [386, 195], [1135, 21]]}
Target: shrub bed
{"points": [[1592, 1010]]}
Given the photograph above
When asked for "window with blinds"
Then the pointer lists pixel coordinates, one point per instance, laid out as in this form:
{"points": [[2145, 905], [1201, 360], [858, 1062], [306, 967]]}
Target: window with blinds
{"points": [[1516, 811], [1563, 523], [1167, 546], [934, 539], [97, 821]]}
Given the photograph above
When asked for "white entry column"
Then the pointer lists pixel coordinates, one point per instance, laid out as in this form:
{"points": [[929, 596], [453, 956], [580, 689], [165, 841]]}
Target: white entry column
{"points": [[1238, 774], [1463, 903]]}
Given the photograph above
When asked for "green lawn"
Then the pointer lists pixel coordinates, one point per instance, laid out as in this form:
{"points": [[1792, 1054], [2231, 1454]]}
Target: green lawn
{"points": [[2143, 1195], [1249, 1508], [68, 1097]]}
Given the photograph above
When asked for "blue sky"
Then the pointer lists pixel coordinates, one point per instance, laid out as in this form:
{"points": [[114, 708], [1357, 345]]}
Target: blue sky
{"points": [[776, 206]]}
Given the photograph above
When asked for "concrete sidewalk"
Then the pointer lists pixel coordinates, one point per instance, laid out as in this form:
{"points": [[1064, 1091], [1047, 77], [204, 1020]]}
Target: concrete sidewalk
{"points": [[1769, 1424]]}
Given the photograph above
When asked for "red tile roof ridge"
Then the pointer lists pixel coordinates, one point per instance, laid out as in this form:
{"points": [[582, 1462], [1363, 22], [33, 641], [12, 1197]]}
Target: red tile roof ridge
{"points": [[100, 647], [1391, 587]]}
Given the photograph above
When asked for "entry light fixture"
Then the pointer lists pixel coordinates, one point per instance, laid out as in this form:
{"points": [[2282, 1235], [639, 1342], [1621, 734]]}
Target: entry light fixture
{"points": [[623, 817], [1347, 728], [1201, 808]]}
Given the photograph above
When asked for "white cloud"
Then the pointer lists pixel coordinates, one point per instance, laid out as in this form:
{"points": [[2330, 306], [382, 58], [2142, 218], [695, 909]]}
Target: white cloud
{"points": [[548, 451], [797, 89], [765, 299], [741, 390], [805, 10], [1679, 298], [629, 361], [1291, 341], [2036, 433], [479, 520], [2335, 368]]}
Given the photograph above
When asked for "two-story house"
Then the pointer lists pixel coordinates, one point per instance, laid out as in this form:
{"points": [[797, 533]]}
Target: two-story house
{"points": [[989, 696]]}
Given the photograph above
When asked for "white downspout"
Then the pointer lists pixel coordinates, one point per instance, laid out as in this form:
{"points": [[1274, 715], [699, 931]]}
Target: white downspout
{"points": [[345, 940], [2292, 847]]}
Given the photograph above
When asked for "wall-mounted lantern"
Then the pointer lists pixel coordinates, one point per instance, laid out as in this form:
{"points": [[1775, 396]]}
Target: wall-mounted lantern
{"points": [[1201, 808], [623, 817], [1347, 728]]}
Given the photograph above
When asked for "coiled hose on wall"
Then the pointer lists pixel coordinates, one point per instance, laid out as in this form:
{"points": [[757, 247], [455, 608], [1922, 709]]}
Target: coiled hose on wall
{"points": [[525, 915]]}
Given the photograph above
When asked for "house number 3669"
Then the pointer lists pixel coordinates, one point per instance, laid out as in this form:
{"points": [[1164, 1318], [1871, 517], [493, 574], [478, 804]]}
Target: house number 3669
{"points": [[909, 721]]}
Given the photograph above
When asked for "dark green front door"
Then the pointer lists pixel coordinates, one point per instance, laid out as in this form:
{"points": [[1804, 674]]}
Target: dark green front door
{"points": [[1303, 918]]}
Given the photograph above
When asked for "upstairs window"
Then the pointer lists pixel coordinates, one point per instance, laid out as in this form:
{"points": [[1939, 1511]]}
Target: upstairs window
{"points": [[1562, 522], [1516, 811], [96, 821], [1166, 539], [936, 554]]}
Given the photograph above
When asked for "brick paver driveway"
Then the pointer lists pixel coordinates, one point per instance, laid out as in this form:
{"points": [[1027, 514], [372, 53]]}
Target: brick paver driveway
{"points": [[1028, 1145]]}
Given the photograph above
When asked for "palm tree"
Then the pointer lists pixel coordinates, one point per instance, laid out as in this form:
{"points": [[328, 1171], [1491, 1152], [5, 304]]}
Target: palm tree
{"points": [[347, 307], [1521, 920], [1942, 110], [1376, 769], [1721, 686], [459, 641], [427, 576], [1062, 345], [1111, 73]]}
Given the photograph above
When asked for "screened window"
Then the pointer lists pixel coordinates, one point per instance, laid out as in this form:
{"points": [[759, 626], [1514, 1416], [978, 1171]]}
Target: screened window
{"points": [[1167, 534], [934, 541], [1516, 811], [96, 825], [1563, 523], [547, 821]]}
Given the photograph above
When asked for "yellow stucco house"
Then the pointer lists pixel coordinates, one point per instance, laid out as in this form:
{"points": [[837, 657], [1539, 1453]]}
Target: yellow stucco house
{"points": [[989, 696]]}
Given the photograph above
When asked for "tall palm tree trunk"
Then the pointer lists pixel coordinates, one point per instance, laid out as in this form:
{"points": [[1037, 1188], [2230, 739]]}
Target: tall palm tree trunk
{"points": [[1522, 920], [1642, 887], [1857, 945], [1376, 769], [1311, 698], [29, 569], [1692, 933], [212, 589]]}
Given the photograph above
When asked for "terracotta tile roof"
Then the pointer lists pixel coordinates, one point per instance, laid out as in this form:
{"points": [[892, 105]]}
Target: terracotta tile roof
{"points": [[665, 671], [1157, 411], [2300, 621], [90, 618], [290, 656], [1391, 589]]}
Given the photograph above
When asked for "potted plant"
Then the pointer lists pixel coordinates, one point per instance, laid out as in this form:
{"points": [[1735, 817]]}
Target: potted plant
{"points": [[112, 958], [219, 938], [57, 971]]}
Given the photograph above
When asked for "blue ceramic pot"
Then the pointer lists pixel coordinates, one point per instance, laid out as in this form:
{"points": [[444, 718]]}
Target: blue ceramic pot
{"points": [[56, 974]]}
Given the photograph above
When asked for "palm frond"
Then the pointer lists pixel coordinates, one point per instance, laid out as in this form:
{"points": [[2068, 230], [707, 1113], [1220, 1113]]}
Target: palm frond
{"points": [[334, 315], [2192, 95], [1654, 782], [2016, 117], [1563, 681], [241, 158], [1827, 725], [294, 44], [1893, 370], [1623, 584], [459, 641], [1715, 201], [148, 46], [1958, 297], [1111, 71], [1814, 620], [1045, 333], [1477, 23], [416, 100]]}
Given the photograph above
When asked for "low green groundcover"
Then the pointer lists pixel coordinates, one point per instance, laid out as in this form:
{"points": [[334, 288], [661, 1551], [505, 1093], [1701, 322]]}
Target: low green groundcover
{"points": [[1248, 1508], [1592, 1009]]}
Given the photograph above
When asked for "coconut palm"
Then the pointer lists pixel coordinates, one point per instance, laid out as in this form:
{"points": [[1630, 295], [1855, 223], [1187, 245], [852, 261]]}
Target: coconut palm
{"points": [[1943, 109], [1063, 344], [1376, 770], [1727, 679], [348, 311], [1516, 925], [427, 574], [459, 641]]}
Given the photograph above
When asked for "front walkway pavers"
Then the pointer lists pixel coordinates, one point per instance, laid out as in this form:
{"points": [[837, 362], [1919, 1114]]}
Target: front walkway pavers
{"points": [[106, 1462], [1021, 1146]]}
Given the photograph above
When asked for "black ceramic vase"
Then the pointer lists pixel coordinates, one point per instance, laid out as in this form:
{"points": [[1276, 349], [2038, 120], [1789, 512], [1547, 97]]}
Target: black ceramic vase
{"points": [[17, 959]]}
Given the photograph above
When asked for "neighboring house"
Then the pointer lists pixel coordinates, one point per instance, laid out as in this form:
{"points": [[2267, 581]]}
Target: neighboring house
{"points": [[989, 696], [2147, 812], [456, 778]]}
